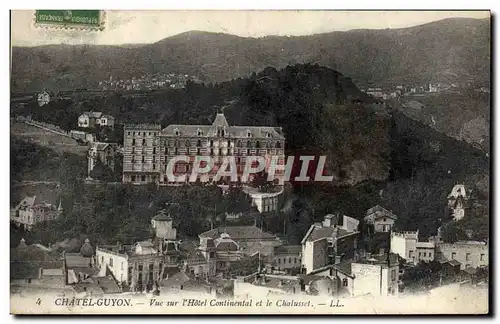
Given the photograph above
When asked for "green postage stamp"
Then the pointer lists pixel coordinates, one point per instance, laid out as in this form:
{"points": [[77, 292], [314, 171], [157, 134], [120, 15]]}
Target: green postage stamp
{"points": [[72, 19]]}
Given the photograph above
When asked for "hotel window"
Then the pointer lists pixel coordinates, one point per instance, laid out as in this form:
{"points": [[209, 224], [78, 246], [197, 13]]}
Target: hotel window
{"points": [[223, 133], [133, 180], [110, 262], [102, 259], [211, 143], [345, 282], [278, 144], [453, 255], [249, 144], [154, 150], [228, 143], [268, 135], [198, 143], [133, 150], [279, 261], [143, 141], [419, 255], [188, 144], [144, 134], [154, 166], [143, 159], [143, 178], [257, 144], [133, 141], [128, 133], [249, 134], [482, 257], [121, 266], [199, 132], [238, 144], [133, 133], [176, 132], [393, 274], [467, 257]]}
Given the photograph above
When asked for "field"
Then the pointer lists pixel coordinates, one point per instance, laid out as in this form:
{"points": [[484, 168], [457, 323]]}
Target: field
{"points": [[58, 143]]}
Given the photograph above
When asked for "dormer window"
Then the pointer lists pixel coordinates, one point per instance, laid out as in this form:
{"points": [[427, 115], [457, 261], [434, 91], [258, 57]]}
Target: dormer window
{"points": [[249, 134], [268, 135], [176, 132], [199, 132]]}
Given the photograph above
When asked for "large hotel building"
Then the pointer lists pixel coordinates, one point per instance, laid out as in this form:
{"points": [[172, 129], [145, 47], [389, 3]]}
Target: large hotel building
{"points": [[148, 148]]}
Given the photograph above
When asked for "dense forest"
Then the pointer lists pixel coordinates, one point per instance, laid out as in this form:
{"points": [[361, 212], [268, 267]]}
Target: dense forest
{"points": [[376, 154]]}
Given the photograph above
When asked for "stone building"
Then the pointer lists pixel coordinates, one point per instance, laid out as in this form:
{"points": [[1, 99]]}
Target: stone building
{"points": [[377, 275], [31, 211], [142, 265], [405, 244], [380, 218], [89, 119], [264, 201], [103, 152], [328, 243], [287, 257], [148, 149], [470, 254]]}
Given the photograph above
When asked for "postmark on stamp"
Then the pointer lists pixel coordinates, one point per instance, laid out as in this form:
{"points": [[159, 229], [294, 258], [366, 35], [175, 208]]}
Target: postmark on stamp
{"points": [[70, 19]]}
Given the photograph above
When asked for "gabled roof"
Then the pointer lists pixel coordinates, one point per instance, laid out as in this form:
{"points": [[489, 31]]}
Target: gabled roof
{"points": [[108, 285], [317, 232], [377, 212], [238, 233], [92, 114], [162, 216], [344, 267], [231, 131], [178, 278]]}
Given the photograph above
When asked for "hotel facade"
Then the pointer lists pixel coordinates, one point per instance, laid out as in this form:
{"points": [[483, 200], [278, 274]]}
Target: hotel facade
{"points": [[148, 149]]}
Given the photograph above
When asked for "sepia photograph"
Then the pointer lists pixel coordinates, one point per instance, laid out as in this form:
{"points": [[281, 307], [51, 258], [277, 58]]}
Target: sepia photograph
{"points": [[292, 162]]}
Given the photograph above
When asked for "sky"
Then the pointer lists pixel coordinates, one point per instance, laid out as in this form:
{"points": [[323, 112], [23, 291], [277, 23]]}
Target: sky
{"points": [[148, 26]]}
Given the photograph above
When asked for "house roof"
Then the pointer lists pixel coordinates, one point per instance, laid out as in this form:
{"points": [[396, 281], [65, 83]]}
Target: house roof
{"points": [[32, 201], [76, 260], [238, 233], [318, 232], [147, 247], [452, 262], [377, 212], [425, 245], [288, 249], [178, 278], [162, 216], [344, 267], [92, 114], [108, 285], [221, 122], [226, 244]]}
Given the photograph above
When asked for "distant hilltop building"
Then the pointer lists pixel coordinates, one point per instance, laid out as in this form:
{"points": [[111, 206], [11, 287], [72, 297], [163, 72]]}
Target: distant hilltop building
{"points": [[43, 98], [457, 200], [90, 119], [148, 148]]}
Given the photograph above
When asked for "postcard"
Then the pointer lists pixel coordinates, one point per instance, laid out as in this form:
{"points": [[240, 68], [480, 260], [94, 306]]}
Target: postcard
{"points": [[250, 162]]}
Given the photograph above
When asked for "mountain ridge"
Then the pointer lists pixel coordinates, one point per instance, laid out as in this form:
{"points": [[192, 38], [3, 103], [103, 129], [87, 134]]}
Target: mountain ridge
{"points": [[449, 50]]}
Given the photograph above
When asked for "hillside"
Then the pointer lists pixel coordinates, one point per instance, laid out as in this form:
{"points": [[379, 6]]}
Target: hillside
{"points": [[450, 50], [463, 115], [376, 154]]}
